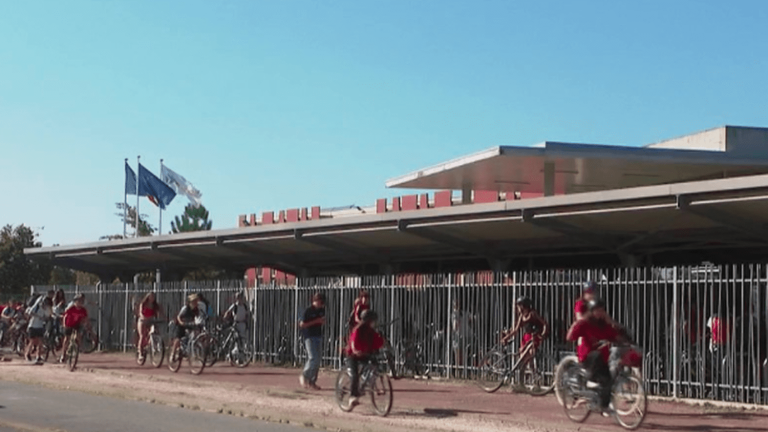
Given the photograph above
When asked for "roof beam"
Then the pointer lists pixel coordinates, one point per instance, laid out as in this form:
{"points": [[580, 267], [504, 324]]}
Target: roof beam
{"points": [[734, 222], [438, 237], [551, 224], [340, 247]]}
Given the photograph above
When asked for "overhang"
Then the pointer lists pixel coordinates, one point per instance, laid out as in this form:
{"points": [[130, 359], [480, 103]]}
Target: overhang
{"points": [[578, 168], [700, 218]]}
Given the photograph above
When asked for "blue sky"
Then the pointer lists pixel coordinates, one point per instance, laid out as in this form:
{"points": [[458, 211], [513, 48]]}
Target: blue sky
{"points": [[266, 105]]}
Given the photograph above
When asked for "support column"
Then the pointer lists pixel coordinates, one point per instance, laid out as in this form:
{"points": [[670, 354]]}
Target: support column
{"points": [[466, 194], [549, 178]]}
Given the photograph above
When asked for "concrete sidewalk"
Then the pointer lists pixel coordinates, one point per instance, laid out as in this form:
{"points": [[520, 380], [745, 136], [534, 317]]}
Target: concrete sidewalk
{"points": [[420, 404]]}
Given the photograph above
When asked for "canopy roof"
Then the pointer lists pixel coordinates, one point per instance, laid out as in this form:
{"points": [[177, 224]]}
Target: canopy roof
{"points": [[579, 168], [668, 223]]}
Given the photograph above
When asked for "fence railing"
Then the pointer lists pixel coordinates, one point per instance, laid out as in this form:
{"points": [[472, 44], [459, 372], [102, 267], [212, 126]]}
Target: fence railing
{"points": [[702, 329]]}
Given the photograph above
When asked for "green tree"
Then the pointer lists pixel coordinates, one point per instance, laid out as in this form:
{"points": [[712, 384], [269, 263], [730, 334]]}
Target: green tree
{"points": [[193, 219], [17, 272], [127, 214], [62, 276]]}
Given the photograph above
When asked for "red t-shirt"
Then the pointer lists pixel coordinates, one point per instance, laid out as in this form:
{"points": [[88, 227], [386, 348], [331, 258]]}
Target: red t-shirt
{"points": [[365, 340], [591, 334], [74, 316], [580, 307]]}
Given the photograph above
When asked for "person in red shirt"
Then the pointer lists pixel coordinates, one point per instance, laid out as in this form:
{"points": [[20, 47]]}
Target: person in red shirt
{"points": [[74, 317], [581, 307], [362, 304], [149, 309], [594, 330], [363, 342]]}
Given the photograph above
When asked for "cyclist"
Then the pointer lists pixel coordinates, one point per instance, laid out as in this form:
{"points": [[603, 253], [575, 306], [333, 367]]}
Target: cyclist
{"points": [[75, 316], [187, 319], [149, 309], [238, 315], [363, 342], [203, 310], [580, 308], [534, 328], [59, 306], [362, 304], [38, 316], [594, 330]]}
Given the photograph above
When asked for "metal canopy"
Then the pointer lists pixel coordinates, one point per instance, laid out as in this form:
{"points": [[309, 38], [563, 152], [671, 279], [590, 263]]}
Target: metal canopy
{"points": [[668, 223], [578, 168]]}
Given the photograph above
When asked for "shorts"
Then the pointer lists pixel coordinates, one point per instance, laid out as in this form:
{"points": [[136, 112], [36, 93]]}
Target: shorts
{"points": [[69, 330], [35, 333], [529, 337], [181, 331]]}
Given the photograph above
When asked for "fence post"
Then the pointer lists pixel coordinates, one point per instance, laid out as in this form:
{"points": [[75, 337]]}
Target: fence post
{"points": [[100, 313], [253, 317], [294, 320], [125, 323], [449, 329], [675, 331]]}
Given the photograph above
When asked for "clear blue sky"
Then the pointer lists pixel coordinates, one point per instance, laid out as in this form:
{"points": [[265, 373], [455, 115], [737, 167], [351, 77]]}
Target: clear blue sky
{"points": [[266, 105]]}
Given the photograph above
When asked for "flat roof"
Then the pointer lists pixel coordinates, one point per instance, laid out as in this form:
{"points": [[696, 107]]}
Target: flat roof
{"points": [[666, 222], [579, 168]]}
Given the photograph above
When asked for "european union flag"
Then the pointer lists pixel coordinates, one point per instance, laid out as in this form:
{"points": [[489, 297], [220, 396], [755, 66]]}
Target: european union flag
{"points": [[130, 180], [153, 188]]}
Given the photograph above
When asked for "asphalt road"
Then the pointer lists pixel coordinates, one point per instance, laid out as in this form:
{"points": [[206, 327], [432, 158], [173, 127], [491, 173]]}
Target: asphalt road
{"points": [[32, 408]]}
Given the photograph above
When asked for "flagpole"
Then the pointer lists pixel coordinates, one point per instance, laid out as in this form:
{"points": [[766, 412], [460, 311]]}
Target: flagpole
{"points": [[125, 205], [160, 228], [138, 180]]}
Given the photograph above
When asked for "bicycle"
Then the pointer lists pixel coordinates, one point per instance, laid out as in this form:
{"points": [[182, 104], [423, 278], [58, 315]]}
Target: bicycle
{"points": [[503, 364], [90, 338], [233, 348], [628, 398], [73, 351], [191, 347], [156, 350], [373, 380]]}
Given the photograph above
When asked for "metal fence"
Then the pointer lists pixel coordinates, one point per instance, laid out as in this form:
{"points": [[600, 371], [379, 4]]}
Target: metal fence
{"points": [[702, 329]]}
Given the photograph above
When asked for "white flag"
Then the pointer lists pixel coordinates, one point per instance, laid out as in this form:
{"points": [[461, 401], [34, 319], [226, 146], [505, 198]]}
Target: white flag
{"points": [[181, 185]]}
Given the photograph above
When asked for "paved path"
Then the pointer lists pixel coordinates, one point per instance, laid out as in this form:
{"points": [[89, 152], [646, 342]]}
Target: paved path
{"points": [[451, 405], [29, 407]]}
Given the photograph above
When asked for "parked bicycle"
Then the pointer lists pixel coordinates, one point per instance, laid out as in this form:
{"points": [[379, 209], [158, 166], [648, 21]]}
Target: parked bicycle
{"points": [[503, 364], [629, 403], [373, 381], [155, 348], [226, 344], [193, 349]]}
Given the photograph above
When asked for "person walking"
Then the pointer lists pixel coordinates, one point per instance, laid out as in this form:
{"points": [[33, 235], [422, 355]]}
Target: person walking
{"points": [[311, 325]]}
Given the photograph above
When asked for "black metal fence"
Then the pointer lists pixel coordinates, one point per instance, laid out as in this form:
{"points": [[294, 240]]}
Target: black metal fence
{"points": [[702, 329]]}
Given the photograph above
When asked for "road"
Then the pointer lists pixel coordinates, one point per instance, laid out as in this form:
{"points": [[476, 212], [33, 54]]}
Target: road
{"points": [[33, 408]]}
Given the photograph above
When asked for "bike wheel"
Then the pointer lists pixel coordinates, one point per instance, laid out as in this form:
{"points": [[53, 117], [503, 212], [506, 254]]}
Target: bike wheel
{"points": [[20, 344], [562, 369], [240, 355], [197, 357], [212, 351], [73, 354], [491, 371], [174, 359], [381, 395], [576, 407], [539, 378], [45, 350], [156, 350], [343, 390], [90, 342], [389, 355], [630, 403]]}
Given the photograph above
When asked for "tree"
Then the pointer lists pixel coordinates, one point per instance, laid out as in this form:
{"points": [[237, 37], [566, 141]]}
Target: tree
{"points": [[127, 214], [62, 276], [17, 272], [193, 219]]}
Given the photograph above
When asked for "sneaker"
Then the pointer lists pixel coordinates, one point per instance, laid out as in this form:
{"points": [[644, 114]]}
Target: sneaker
{"points": [[314, 386], [354, 401], [39, 360], [62, 359], [302, 381]]}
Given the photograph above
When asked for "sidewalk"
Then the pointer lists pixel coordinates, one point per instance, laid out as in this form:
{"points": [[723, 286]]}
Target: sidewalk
{"points": [[262, 391]]}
